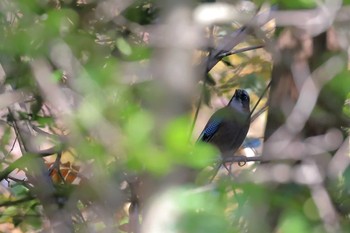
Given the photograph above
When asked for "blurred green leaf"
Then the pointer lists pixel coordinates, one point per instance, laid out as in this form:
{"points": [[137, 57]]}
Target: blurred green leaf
{"points": [[123, 46], [333, 97], [8, 213], [201, 212], [60, 22], [114, 135], [142, 12], [288, 5], [139, 127], [311, 210], [139, 53], [44, 121], [19, 190], [346, 108], [294, 222], [29, 6], [57, 76], [196, 211], [253, 82], [338, 88], [203, 154], [176, 139], [5, 139], [142, 153], [297, 4], [105, 72]]}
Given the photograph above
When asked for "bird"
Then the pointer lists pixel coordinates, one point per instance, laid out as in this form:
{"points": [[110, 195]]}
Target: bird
{"points": [[228, 126]]}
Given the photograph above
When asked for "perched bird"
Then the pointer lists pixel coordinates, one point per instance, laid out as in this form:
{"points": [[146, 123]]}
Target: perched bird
{"points": [[228, 127]]}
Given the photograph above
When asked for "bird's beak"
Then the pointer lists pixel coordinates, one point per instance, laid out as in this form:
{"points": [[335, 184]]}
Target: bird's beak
{"points": [[237, 94]]}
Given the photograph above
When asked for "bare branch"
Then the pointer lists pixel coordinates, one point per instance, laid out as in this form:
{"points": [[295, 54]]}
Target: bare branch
{"points": [[222, 55]]}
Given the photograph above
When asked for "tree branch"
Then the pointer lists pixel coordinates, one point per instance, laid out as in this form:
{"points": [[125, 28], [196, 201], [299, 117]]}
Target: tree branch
{"points": [[222, 55]]}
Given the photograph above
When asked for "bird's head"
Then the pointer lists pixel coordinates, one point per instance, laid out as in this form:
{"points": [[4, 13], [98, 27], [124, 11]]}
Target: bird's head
{"points": [[240, 100]]}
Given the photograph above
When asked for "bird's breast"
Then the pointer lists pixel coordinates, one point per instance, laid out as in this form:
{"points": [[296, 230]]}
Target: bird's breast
{"points": [[232, 132]]}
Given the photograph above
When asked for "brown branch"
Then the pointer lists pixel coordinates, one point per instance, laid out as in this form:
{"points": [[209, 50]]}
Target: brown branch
{"points": [[222, 55], [242, 160], [229, 42], [233, 39], [61, 138], [38, 174]]}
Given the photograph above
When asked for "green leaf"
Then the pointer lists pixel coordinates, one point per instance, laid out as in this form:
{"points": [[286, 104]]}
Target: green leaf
{"points": [[311, 210], [339, 86], [139, 127], [19, 190], [7, 214], [139, 52], [5, 139], [203, 155], [198, 212], [56, 76], [60, 22], [297, 4], [143, 153], [176, 139], [176, 136], [346, 108], [288, 5], [44, 121], [294, 222], [141, 12], [123, 46]]}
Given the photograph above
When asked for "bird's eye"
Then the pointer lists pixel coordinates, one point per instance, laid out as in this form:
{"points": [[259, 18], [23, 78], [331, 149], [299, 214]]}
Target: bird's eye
{"points": [[244, 97]]}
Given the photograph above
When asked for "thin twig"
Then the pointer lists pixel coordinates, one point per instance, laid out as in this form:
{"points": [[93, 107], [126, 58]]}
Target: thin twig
{"points": [[222, 55], [197, 109], [23, 182], [203, 87], [264, 92], [258, 113], [13, 146], [242, 159], [216, 170], [57, 166], [228, 43]]}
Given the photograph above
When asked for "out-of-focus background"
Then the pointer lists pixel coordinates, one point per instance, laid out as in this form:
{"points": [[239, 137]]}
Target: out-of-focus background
{"points": [[101, 104]]}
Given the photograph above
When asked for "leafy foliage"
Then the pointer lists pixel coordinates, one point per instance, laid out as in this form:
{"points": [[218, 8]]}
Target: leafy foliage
{"points": [[95, 136]]}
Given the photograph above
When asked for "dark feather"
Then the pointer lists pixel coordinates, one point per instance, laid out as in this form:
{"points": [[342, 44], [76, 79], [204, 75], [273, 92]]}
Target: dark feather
{"points": [[210, 129]]}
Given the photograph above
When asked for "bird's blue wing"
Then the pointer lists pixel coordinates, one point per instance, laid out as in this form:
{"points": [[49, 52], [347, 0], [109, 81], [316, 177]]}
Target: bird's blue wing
{"points": [[252, 143], [210, 129]]}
